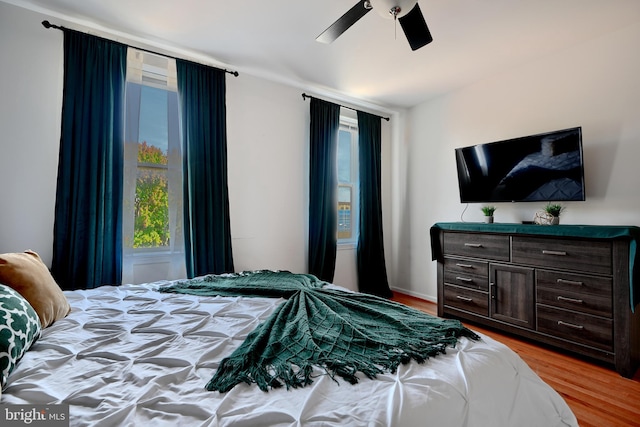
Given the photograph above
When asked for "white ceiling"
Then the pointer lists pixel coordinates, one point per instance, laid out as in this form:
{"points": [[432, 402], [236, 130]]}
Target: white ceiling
{"points": [[370, 62]]}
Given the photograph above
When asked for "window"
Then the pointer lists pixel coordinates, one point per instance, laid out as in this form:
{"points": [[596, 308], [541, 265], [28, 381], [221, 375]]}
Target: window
{"points": [[152, 211], [348, 191]]}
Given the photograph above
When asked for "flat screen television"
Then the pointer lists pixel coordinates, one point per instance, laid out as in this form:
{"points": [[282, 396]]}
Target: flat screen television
{"points": [[544, 167]]}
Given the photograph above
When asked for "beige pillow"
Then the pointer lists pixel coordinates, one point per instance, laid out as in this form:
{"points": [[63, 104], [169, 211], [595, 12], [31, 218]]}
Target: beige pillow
{"points": [[26, 273]]}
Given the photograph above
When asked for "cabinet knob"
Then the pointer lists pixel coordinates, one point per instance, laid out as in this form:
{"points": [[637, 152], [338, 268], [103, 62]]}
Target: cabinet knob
{"points": [[473, 245]]}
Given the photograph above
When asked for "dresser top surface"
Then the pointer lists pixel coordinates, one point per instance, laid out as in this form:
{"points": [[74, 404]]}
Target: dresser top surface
{"points": [[565, 230]]}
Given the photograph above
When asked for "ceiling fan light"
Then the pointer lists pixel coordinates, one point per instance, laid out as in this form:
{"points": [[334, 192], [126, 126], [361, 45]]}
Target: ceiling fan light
{"points": [[384, 8]]}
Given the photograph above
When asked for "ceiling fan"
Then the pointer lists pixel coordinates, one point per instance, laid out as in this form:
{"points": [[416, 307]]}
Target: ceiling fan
{"points": [[407, 12]]}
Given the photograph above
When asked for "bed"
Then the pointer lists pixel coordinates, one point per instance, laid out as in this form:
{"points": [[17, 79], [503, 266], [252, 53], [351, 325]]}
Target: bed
{"points": [[133, 356]]}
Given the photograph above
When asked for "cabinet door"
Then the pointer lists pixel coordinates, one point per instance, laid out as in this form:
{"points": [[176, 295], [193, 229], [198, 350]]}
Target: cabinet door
{"points": [[512, 295]]}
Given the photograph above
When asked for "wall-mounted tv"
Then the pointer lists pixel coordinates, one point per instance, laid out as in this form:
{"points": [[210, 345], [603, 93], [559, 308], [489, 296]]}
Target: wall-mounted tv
{"points": [[544, 167]]}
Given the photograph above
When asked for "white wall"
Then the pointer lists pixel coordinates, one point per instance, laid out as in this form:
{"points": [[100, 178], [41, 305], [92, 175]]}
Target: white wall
{"points": [[593, 85], [30, 99], [267, 149], [267, 126]]}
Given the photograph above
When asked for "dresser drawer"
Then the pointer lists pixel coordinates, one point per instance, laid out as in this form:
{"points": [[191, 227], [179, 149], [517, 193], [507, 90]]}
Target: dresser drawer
{"points": [[464, 266], [568, 282], [466, 299], [466, 280], [470, 274], [477, 245], [592, 256], [583, 303], [577, 327]]}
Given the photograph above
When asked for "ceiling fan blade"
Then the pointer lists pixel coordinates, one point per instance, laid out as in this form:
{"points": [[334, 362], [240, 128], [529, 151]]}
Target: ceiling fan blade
{"points": [[415, 28], [343, 23]]}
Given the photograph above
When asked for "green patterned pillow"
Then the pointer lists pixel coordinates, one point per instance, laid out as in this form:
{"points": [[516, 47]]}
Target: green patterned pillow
{"points": [[19, 328]]}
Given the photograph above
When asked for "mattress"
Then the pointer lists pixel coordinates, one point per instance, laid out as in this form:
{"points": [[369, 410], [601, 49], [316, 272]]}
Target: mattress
{"points": [[132, 356]]}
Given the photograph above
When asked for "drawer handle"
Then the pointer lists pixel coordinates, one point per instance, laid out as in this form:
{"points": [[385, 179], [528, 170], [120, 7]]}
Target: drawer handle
{"points": [[465, 299], [574, 300], [570, 282], [464, 265], [473, 245], [464, 279], [560, 253], [570, 325]]}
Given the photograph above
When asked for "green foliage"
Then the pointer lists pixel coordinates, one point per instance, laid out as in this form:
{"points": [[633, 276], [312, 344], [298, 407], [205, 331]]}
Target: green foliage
{"points": [[553, 209], [488, 210], [152, 200], [151, 154]]}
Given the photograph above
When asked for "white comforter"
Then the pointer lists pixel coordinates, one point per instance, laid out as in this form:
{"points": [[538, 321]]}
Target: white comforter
{"points": [[131, 356]]}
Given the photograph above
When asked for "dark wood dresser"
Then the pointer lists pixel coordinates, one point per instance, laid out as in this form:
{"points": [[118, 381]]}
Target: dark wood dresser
{"points": [[569, 286]]}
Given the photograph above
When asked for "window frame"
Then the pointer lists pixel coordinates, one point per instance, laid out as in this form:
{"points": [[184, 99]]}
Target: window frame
{"points": [[154, 76], [349, 123]]}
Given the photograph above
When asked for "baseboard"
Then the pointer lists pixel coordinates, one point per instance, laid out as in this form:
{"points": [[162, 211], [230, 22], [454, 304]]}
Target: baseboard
{"points": [[415, 294]]}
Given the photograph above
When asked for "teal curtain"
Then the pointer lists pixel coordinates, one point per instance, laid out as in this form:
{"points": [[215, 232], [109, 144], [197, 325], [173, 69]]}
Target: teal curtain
{"points": [[323, 184], [87, 240], [372, 272], [207, 229]]}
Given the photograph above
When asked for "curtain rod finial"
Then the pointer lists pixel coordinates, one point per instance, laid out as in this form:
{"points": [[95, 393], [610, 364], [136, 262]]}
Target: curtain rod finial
{"points": [[48, 25]]}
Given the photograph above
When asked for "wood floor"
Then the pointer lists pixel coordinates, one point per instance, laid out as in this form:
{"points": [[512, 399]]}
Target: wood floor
{"points": [[598, 396]]}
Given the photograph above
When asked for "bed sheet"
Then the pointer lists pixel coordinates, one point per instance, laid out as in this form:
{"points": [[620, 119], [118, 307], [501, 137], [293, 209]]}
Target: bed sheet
{"points": [[132, 356]]}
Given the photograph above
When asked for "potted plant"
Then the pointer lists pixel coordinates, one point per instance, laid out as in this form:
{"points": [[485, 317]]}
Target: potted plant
{"points": [[554, 210], [488, 213]]}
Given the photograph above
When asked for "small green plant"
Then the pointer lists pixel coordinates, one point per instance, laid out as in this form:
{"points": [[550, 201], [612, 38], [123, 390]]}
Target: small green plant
{"points": [[553, 209], [488, 210]]}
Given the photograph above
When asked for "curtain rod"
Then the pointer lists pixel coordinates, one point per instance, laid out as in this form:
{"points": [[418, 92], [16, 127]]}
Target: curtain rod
{"points": [[305, 96], [48, 25]]}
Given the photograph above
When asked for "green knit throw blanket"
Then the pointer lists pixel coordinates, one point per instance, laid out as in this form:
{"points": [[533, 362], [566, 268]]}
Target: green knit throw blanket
{"points": [[341, 332]]}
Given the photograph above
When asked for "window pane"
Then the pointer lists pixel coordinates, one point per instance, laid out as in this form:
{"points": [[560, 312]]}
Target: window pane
{"points": [[151, 208], [151, 222], [344, 156], [344, 212], [344, 194], [153, 124]]}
